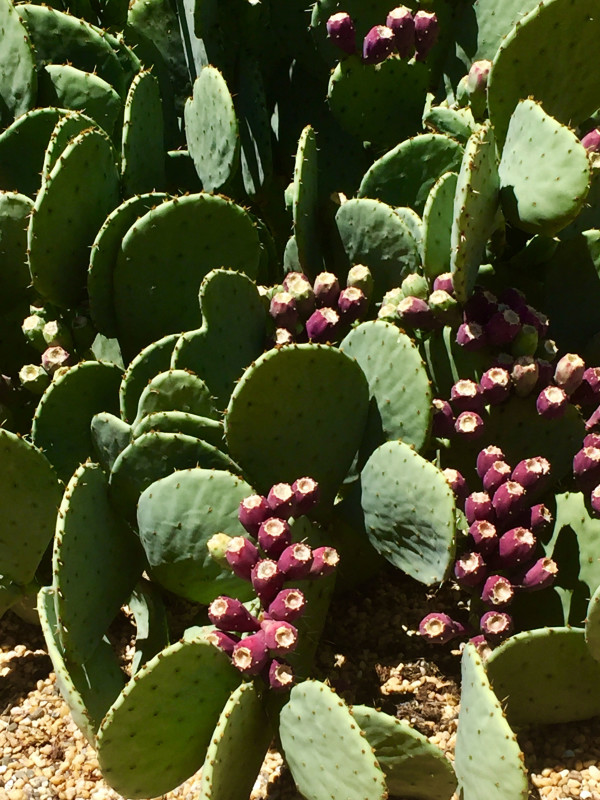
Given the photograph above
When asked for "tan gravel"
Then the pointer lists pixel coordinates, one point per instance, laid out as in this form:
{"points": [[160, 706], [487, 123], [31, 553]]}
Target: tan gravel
{"points": [[370, 654]]}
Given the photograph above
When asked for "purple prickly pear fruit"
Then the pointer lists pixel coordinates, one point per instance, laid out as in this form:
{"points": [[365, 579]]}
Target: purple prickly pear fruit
{"points": [[444, 283], [295, 561], [426, 33], [481, 306], [541, 575], [323, 325], [54, 358], [478, 506], [485, 536], [251, 655], [586, 468], [267, 580], [327, 289], [443, 419], [470, 570], [593, 421], [504, 361], [510, 296], [496, 475], [481, 645], [486, 458], [588, 392], [274, 535], [283, 310], [439, 628], [241, 555], [592, 440], [497, 591], [281, 500], [569, 372], [540, 519], [223, 640], [496, 625], [471, 336], [503, 326], [516, 546], [595, 500], [444, 307], [341, 31], [545, 374], [298, 285], [457, 483], [325, 561], [465, 395], [378, 44], [281, 637], [228, 614], [591, 141], [361, 276], [525, 342], [414, 312], [552, 402], [252, 512], [531, 316], [469, 425], [288, 605], [306, 495], [281, 676], [352, 303], [524, 375], [532, 473], [508, 500], [495, 385], [402, 23]]}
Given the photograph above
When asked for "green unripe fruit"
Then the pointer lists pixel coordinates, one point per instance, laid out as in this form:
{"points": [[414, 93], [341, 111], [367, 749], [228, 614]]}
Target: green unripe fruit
{"points": [[393, 297], [32, 328], [34, 378], [445, 307], [415, 286], [217, 548], [361, 277], [526, 342], [56, 334]]}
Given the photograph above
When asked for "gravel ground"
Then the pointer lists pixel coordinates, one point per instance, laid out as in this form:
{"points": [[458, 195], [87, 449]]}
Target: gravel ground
{"points": [[369, 654]]}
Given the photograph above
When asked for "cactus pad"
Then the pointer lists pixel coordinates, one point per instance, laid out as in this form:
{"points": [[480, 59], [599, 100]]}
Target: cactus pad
{"points": [[18, 77], [14, 276], [305, 198], [110, 436], [437, 225], [175, 390], [29, 133], [143, 139], [210, 430], [67, 128], [67, 87], [149, 362]]}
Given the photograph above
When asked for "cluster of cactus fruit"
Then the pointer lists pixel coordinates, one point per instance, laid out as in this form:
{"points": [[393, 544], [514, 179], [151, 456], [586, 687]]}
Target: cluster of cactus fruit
{"points": [[252, 241]]}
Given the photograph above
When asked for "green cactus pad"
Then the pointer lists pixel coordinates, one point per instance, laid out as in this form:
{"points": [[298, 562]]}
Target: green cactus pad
{"points": [[437, 226], [546, 56], [382, 104], [232, 335], [76, 197], [458, 123], [14, 275], [97, 561], [238, 746], [65, 438], [316, 431], [59, 38], [413, 222], [589, 216], [18, 77], [305, 199], [88, 689], [404, 176], [485, 24], [374, 235], [573, 515], [65, 86], [475, 209], [155, 455], [400, 405], [327, 753], [208, 232], [592, 625], [488, 761], [211, 130], [256, 158], [177, 515], [151, 623], [545, 676], [104, 254], [110, 436], [409, 512], [210, 430], [29, 496], [413, 766], [29, 133], [544, 171], [143, 140], [67, 128], [156, 733], [176, 390], [149, 362]]}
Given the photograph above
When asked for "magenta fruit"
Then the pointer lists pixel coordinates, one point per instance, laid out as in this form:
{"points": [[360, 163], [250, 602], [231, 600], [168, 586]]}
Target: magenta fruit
{"points": [[486, 458], [495, 385], [281, 676], [469, 425], [281, 637], [251, 655], [552, 402], [281, 500], [274, 535], [478, 506], [241, 555], [252, 511], [426, 33], [497, 591], [470, 570], [325, 561], [288, 605], [295, 561], [378, 44], [306, 495], [465, 395], [439, 628], [228, 614], [496, 475], [341, 31], [401, 21]]}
